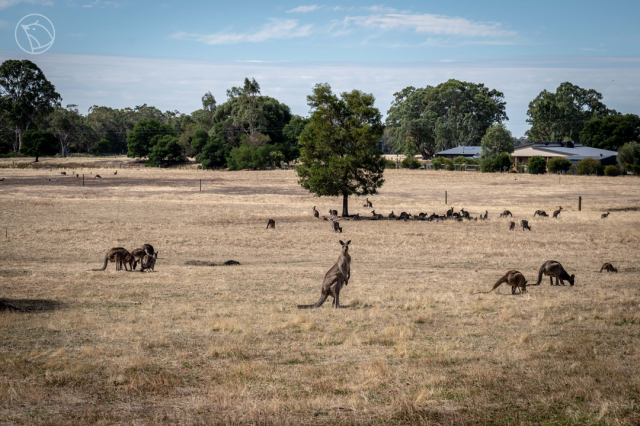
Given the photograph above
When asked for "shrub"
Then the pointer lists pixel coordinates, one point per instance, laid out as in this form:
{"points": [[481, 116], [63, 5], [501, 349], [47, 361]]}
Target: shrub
{"points": [[164, 151], [611, 171], [411, 163], [442, 163], [464, 160], [589, 166], [537, 165], [636, 170], [388, 164], [255, 158], [36, 143], [488, 165], [503, 162], [559, 164]]}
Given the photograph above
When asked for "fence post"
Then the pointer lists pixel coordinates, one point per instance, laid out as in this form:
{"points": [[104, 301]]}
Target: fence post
{"points": [[580, 203], [82, 180], [445, 198], [200, 185]]}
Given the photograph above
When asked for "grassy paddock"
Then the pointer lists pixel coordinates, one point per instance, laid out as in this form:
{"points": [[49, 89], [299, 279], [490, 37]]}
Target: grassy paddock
{"points": [[226, 344]]}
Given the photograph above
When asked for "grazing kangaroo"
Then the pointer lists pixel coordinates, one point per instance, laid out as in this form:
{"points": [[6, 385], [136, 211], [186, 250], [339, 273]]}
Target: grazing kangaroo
{"points": [[512, 226], [557, 213], [551, 268], [605, 215], [506, 213], [609, 268], [513, 278], [148, 262], [540, 213], [334, 279], [315, 212], [525, 224], [336, 227], [368, 204], [98, 177], [138, 254], [124, 257], [63, 173], [271, 224]]}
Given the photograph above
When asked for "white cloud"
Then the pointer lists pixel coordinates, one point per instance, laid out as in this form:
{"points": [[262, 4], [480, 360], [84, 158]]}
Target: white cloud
{"points": [[101, 4], [8, 3], [430, 24], [275, 29], [379, 8], [305, 9], [171, 84]]}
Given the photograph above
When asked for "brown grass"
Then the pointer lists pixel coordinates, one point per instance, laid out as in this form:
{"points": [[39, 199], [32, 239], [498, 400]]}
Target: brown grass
{"points": [[226, 344]]}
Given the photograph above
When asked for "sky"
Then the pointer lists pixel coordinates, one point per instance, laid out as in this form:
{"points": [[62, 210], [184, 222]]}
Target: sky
{"points": [[169, 53]]}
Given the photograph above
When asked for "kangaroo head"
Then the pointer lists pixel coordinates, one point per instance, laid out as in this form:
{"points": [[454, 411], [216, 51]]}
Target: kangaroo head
{"points": [[345, 247], [155, 255], [572, 279]]}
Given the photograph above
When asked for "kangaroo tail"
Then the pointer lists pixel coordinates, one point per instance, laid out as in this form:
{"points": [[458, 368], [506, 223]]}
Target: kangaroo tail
{"points": [[497, 284], [319, 303], [539, 275]]}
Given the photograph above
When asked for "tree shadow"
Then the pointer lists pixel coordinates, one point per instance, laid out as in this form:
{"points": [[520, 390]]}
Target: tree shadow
{"points": [[30, 305]]}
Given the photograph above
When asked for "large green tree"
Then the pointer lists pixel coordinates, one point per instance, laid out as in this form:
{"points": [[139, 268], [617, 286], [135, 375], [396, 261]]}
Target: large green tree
{"points": [[339, 154], [144, 136], [611, 132], [496, 141], [25, 94], [38, 142], [454, 113], [68, 126], [560, 116], [629, 156]]}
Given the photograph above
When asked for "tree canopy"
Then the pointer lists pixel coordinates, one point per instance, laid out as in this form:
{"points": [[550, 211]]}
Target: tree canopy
{"points": [[611, 132], [25, 94], [560, 116], [144, 136], [36, 143], [454, 113], [339, 154], [496, 141]]}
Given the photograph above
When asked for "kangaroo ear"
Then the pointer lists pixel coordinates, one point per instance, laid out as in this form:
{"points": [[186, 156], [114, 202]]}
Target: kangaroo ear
{"points": [[348, 242], [341, 243]]}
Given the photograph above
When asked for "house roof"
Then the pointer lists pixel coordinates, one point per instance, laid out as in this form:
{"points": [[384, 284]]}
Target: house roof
{"points": [[462, 150], [579, 151]]}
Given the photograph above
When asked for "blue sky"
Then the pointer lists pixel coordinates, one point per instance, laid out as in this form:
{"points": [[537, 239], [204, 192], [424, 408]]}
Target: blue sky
{"points": [[125, 53]]}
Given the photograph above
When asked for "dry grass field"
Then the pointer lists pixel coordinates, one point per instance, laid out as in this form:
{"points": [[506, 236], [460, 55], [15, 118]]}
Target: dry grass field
{"points": [[211, 345]]}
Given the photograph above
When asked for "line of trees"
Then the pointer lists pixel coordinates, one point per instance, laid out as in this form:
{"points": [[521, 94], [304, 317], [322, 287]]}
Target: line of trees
{"points": [[250, 130]]}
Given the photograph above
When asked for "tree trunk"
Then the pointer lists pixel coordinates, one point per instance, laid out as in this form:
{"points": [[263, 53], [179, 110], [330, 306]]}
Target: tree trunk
{"points": [[345, 204], [20, 131], [37, 155]]}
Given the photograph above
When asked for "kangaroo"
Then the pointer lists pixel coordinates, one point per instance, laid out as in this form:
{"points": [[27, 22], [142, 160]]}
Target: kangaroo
{"points": [[271, 224], [324, 218], [404, 215], [609, 268], [391, 215], [63, 173], [513, 278], [116, 172], [315, 212], [605, 215], [506, 213], [368, 204], [450, 212], [540, 213], [376, 216], [333, 213], [525, 224], [336, 227], [98, 177], [138, 254], [512, 226], [338, 275], [557, 213], [551, 268], [148, 262], [125, 257], [149, 249]]}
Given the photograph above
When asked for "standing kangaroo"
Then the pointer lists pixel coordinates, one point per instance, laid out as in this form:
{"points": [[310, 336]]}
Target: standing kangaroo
{"points": [[336, 227], [557, 213], [605, 215], [315, 212], [525, 224], [271, 224], [338, 275], [551, 268], [609, 268], [512, 226], [368, 203], [514, 278]]}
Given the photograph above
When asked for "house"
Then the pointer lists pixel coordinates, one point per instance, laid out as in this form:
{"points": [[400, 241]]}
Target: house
{"points": [[573, 152], [460, 151]]}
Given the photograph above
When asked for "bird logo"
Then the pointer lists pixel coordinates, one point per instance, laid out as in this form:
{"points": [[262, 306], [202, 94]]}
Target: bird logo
{"points": [[35, 34]]}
